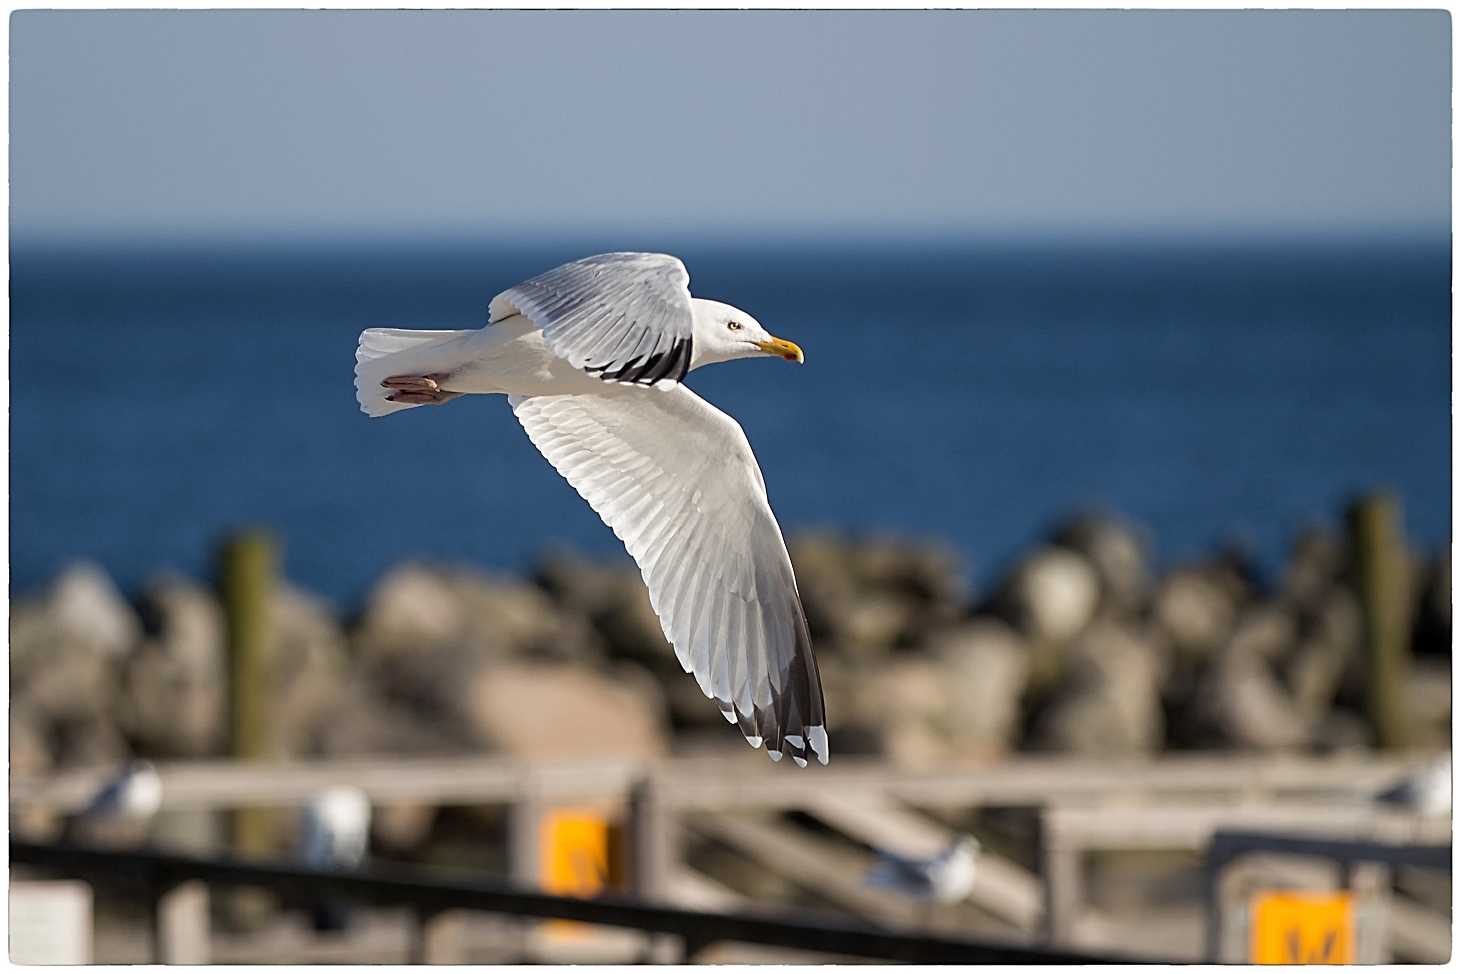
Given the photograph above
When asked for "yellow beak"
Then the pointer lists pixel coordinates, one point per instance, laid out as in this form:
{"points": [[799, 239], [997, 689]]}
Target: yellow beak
{"points": [[780, 346]]}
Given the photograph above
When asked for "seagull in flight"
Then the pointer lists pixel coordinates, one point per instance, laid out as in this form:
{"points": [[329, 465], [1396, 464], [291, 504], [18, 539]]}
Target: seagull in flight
{"points": [[592, 356]]}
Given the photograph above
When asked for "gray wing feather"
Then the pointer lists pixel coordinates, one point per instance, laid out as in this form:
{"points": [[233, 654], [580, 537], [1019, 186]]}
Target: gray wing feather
{"points": [[622, 317], [676, 480]]}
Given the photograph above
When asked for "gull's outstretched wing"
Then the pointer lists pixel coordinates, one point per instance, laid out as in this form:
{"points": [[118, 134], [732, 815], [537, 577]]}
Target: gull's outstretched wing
{"points": [[622, 317], [676, 480]]}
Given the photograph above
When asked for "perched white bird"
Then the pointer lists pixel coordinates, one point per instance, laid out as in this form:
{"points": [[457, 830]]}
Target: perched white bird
{"points": [[134, 794], [335, 831], [591, 356], [122, 809], [1426, 792], [946, 878]]}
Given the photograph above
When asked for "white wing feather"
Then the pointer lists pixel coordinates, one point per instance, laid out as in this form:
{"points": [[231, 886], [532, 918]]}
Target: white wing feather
{"points": [[622, 317], [676, 480]]}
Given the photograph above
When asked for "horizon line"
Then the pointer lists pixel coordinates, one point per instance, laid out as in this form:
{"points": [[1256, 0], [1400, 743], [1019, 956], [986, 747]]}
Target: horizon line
{"points": [[639, 237]]}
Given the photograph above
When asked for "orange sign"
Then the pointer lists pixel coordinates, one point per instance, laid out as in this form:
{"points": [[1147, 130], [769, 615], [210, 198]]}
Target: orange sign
{"points": [[574, 854], [1302, 927]]}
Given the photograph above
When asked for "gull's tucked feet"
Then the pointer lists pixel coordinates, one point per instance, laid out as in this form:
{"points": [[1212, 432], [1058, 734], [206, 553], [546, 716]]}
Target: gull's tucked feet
{"points": [[418, 390]]}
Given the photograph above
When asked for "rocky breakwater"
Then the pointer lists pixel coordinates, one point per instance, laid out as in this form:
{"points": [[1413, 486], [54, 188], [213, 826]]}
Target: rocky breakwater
{"points": [[1081, 648]]}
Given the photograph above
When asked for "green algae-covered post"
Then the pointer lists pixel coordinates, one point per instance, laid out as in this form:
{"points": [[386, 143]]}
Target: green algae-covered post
{"points": [[1379, 571], [246, 581]]}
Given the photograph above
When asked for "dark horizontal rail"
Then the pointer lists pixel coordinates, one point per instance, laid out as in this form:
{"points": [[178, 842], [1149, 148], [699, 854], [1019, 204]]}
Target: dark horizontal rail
{"points": [[1227, 846], [428, 892]]}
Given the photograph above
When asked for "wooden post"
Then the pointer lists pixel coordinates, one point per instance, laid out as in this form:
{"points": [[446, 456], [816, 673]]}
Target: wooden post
{"points": [[524, 837], [1061, 862], [1378, 569], [246, 581], [651, 840], [1372, 884], [182, 924], [443, 938]]}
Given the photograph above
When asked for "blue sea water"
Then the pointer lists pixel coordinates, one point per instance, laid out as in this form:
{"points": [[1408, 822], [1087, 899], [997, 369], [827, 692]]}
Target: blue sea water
{"points": [[971, 394]]}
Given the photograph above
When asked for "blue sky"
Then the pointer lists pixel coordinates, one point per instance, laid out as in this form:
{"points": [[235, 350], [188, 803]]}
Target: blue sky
{"points": [[903, 123]]}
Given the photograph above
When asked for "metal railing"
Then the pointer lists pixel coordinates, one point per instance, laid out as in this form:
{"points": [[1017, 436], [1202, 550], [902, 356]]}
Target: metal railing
{"points": [[429, 892]]}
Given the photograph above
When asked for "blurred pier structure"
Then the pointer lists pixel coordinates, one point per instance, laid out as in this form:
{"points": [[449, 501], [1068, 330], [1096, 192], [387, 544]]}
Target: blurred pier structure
{"points": [[818, 828], [1090, 720]]}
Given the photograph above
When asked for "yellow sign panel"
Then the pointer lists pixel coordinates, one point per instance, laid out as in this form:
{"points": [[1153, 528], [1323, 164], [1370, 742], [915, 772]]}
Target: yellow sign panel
{"points": [[574, 854], [1302, 927], [574, 860]]}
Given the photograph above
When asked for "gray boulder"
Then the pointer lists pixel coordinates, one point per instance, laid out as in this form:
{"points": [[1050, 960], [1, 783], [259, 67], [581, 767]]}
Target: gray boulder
{"points": [[538, 710], [66, 647], [846, 618], [418, 609], [910, 698], [73, 685], [1108, 702], [1119, 552], [89, 742], [865, 598], [506, 617], [631, 628], [1430, 702], [1195, 613], [363, 722], [30, 753], [1342, 729], [174, 696], [1315, 564], [91, 614], [1240, 700], [1265, 632], [1251, 708], [1315, 671], [1050, 597], [311, 655], [411, 609], [987, 667]]}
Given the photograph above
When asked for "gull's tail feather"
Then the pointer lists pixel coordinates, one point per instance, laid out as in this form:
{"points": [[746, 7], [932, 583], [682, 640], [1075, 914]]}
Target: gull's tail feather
{"points": [[384, 352]]}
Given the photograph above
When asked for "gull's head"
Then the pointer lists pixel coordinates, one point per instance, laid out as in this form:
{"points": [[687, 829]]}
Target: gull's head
{"points": [[723, 333]]}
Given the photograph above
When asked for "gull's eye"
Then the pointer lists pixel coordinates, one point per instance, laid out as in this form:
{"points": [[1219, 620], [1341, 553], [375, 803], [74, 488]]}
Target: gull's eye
{"points": [[733, 325]]}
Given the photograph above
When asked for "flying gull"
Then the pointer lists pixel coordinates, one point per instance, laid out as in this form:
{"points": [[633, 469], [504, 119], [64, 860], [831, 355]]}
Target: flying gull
{"points": [[592, 356]]}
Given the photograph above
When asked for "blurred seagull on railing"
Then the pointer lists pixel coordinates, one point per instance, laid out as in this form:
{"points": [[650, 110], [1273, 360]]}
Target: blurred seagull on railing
{"points": [[334, 836], [335, 831], [946, 878], [121, 811], [1426, 792]]}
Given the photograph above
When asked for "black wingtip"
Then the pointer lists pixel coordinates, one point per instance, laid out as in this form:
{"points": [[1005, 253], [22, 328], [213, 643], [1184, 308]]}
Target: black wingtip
{"points": [[795, 723], [670, 365]]}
